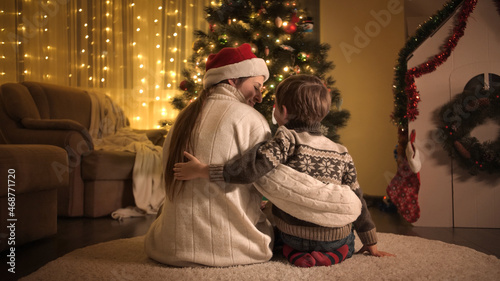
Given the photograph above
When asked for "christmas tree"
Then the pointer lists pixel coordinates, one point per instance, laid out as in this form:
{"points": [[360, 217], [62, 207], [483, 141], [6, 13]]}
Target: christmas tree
{"points": [[280, 33]]}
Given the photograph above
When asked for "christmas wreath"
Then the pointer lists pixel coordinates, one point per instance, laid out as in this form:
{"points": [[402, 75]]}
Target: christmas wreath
{"points": [[460, 116]]}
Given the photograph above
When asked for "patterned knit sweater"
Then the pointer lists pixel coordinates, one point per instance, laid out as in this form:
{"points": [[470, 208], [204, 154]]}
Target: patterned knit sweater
{"points": [[306, 150]]}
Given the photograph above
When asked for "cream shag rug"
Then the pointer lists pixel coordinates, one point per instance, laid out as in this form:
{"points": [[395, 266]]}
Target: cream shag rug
{"points": [[416, 259]]}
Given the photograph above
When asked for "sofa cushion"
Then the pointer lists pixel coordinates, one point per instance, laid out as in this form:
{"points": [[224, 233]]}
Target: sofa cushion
{"points": [[108, 165], [18, 102]]}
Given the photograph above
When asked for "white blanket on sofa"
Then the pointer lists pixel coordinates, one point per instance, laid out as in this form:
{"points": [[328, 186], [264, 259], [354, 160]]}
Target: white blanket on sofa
{"points": [[110, 131]]}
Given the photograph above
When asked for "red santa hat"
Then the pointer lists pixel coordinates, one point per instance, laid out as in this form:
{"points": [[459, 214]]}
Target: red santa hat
{"points": [[231, 63]]}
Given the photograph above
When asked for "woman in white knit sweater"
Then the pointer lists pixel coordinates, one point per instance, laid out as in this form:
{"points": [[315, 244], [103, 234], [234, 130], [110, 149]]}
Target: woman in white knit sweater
{"points": [[213, 224]]}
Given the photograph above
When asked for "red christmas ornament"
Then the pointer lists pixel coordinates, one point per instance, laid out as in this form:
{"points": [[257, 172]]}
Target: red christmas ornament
{"points": [[291, 28], [183, 85]]}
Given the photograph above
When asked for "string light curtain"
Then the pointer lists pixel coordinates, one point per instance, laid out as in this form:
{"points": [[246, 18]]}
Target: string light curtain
{"points": [[134, 51]]}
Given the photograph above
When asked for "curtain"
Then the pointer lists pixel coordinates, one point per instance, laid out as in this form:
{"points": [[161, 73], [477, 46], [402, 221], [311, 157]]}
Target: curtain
{"points": [[134, 51]]}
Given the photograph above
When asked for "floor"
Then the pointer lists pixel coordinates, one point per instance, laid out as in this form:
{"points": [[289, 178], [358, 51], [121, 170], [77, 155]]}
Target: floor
{"points": [[74, 233]]}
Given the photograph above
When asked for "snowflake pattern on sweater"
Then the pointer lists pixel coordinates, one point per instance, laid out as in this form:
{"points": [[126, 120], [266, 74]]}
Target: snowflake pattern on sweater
{"points": [[306, 150], [324, 164]]}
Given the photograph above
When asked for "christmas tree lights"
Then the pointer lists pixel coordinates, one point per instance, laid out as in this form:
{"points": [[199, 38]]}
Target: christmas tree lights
{"points": [[280, 33]]}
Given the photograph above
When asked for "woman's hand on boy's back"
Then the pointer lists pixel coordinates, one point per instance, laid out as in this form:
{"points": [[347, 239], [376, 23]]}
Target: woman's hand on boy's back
{"points": [[192, 169]]}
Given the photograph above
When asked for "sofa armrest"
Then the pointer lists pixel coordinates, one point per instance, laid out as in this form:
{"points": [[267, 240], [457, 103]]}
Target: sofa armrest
{"points": [[156, 136], [35, 167], [73, 141], [58, 124]]}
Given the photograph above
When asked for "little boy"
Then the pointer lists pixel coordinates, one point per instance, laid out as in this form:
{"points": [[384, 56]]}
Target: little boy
{"points": [[302, 101]]}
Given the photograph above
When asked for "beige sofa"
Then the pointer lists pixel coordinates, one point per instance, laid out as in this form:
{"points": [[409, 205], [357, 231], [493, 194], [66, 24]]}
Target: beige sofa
{"points": [[100, 181]]}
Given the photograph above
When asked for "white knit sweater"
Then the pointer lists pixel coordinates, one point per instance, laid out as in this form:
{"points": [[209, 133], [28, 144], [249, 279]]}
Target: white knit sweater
{"points": [[216, 224]]}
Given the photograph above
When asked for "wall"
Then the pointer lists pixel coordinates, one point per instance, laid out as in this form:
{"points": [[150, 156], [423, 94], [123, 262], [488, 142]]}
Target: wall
{"points": [[365, 38]]}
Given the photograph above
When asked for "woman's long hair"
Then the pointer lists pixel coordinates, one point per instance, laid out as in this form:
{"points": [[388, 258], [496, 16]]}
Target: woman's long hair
{"points": [[181, 141]]}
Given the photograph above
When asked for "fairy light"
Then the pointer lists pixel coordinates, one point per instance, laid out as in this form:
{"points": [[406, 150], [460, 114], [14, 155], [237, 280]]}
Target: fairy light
{"points": [[94, 66]]}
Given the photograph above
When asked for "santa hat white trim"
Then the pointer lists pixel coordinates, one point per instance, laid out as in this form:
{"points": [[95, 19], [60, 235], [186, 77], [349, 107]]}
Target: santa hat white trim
{"points": [[245, 68]]}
